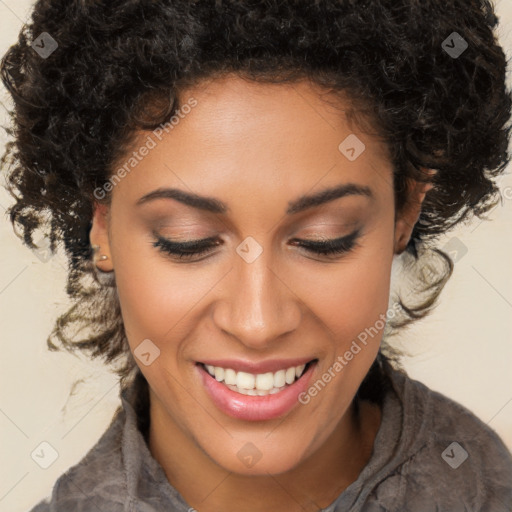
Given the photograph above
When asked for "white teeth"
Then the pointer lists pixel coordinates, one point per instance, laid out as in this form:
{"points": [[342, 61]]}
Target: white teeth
{"points": [[279, 378], [245, 380], [260, 384], [219, 373], [229, 376], [290, 375], [265, 381]]}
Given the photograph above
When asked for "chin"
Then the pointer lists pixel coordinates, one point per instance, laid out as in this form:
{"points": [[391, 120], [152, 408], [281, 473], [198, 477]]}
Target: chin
{"points": [[258, 458]]}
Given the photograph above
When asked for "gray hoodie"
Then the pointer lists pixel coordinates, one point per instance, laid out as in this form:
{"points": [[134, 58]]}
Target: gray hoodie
{"points": [[430, 454]]}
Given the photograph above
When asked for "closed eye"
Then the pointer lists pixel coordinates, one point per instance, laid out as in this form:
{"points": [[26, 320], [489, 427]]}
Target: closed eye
{"points": [[194, 248], [331, 247]]}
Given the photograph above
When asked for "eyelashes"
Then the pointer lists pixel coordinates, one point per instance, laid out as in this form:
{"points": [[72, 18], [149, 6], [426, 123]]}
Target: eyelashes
{"points": [[195, 248], [333, 247], [185, 249]]}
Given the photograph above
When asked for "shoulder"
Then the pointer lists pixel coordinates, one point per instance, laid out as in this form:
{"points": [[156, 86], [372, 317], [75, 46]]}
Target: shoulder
{"points": [[96, 480], [43, 506], [451, 458], [448, 425]]}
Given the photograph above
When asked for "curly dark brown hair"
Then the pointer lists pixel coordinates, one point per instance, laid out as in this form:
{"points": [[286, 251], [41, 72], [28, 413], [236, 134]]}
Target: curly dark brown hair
{"points": [[121, 66]]}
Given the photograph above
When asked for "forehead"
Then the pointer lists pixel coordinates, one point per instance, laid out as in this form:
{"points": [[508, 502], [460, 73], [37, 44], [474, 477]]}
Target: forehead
{"points": [[232, 109], [257, 136]]}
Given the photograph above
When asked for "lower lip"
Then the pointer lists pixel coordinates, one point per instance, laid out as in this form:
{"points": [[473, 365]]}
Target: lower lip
{"points": [[255, 408]]}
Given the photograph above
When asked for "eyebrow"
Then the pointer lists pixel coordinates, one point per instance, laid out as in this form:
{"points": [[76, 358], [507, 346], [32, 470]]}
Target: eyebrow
{"points": [[213, 205]]}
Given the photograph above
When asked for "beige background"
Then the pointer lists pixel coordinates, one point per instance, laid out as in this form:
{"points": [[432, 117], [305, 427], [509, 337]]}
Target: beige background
{"points": [[464, 350]]}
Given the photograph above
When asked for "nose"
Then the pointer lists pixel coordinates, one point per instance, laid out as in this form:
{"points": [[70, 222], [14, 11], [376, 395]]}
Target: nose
{"points": [[258, 305]]}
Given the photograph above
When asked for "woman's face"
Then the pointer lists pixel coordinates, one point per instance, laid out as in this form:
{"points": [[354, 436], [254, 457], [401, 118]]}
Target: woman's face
{"points": [[257, 302]]}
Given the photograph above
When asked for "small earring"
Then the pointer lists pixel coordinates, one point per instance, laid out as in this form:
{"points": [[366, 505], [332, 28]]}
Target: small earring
{"points": [[103, 257]]}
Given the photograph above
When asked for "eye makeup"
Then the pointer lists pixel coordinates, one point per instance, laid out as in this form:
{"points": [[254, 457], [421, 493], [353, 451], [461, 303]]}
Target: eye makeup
{"points": [[195, 248]]}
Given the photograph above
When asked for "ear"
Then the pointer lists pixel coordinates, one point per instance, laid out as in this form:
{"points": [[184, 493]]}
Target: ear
{"points": [[408, 216], [99, 236]]}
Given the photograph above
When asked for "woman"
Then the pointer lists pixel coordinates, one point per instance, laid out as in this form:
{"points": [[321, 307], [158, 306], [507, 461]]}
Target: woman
{"points": [[232, 182]]}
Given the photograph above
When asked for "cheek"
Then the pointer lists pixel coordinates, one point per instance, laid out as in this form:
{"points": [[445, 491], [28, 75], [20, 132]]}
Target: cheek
{"points": [[349, 296], [350, 301], [156, 299]]}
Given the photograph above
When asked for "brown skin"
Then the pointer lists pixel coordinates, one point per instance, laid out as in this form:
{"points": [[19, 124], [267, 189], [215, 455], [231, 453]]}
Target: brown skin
{"points": [[256, 147]]}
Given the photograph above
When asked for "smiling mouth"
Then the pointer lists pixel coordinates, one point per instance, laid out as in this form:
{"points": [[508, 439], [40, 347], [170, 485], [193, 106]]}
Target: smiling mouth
{"points": [[259, 384]]}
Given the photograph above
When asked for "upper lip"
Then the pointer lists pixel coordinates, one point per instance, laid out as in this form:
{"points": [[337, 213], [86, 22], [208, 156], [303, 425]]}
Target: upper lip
{"points": [[271, 365]]}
